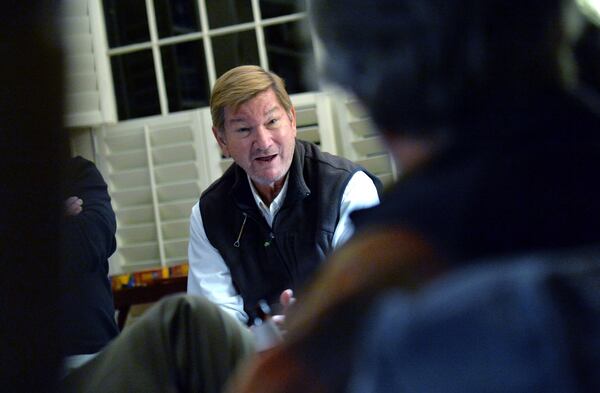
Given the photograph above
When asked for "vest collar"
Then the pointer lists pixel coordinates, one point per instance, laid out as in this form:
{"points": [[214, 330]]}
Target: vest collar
{"points": [[297, 188], [241, 192]]}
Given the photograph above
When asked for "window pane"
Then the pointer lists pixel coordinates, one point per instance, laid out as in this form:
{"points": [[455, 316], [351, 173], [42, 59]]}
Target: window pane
{"points": [[289, 50], [235, 49], [186, 78], [126, 22], [228, 12], [135, 85], [176, 17], [273, 8]]}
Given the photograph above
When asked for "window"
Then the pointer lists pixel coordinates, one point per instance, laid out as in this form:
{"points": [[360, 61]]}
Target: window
{"points": [[166, 54]]}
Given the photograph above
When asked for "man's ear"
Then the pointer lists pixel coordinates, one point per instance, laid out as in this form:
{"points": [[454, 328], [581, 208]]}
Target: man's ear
{"points": [[292, 116], [221, 140]]}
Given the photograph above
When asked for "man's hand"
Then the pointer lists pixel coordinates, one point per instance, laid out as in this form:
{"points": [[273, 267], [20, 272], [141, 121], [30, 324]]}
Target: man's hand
{"points": [[73, 206], [286, 299]]}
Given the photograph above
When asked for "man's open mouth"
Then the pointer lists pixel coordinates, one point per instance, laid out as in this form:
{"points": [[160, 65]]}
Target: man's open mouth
{"points": [[266, 158]]}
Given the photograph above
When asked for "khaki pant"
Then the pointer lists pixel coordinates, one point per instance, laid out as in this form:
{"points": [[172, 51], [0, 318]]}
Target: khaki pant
{"points": [[182, 344]]}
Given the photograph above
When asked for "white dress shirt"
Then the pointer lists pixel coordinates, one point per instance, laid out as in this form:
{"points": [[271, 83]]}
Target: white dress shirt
{"points": [[209, 275]]}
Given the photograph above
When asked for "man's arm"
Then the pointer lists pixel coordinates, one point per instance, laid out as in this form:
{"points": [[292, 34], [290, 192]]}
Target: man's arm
{"points": [[89, 225], [209, 276], [360, 193]]}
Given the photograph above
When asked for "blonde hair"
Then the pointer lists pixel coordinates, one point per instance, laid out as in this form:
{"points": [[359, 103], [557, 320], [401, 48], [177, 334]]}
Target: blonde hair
{"points": [[241, 84]]}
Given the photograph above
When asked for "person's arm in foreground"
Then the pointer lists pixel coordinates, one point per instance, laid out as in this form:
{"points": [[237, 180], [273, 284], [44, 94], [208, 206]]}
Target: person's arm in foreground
{"points": [[89, 225]]}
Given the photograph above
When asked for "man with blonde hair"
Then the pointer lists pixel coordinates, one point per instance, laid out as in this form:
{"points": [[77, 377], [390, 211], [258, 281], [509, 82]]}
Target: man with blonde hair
{"points": [[262, 229]]}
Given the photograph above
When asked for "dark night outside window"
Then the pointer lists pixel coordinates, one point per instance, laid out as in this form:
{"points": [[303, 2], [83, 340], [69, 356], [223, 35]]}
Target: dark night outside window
{"points": [[274, 8], [126, 22], [135, 84], [185, 75], [176, 17], [289, 53], [234, 49], [227, 13]]}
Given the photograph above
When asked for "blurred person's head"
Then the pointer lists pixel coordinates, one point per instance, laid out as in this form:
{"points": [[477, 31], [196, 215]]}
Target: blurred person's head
{"points": [[587, 53], [420, 66], [254, 122]]}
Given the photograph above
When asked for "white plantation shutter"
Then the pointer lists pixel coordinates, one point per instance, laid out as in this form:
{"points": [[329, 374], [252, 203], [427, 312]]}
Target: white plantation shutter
{"points": [[360, 142], [155, 169], [314, 120], [89, 99]]}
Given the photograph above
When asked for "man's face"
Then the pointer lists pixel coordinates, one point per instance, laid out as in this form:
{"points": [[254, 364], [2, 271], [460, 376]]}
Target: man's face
{"points": [[260, 137]]}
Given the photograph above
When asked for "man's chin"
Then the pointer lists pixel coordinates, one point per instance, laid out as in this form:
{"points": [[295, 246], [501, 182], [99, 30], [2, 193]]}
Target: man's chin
{"points": [[267, 180]]}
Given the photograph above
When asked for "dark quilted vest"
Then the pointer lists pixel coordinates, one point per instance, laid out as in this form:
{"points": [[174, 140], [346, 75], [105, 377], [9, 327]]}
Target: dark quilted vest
{"points": [[269, 260]]}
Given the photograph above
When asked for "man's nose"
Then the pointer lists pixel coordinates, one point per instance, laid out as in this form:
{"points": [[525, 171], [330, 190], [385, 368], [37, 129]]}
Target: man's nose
{"points": [[262, 138]]}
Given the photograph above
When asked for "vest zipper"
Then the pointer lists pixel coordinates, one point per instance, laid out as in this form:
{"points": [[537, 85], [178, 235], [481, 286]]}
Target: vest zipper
{"points": [[268, 243], [272, 238], [237, 242]]}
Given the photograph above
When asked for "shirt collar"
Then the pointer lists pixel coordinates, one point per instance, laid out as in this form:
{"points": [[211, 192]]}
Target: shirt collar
{"points": [[269, 211]]}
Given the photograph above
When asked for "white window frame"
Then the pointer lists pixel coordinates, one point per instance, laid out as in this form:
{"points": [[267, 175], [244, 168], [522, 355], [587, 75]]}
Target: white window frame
{"points": [[206, 34]]}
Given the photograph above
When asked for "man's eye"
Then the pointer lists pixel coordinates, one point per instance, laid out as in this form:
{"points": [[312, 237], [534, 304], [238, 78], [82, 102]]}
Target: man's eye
{"points": [[244, 129], [273, 121]]}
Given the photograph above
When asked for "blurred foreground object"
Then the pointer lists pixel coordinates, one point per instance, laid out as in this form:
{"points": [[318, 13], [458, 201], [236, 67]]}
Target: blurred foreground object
{"points": [[32, 150], [502, 152]]}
